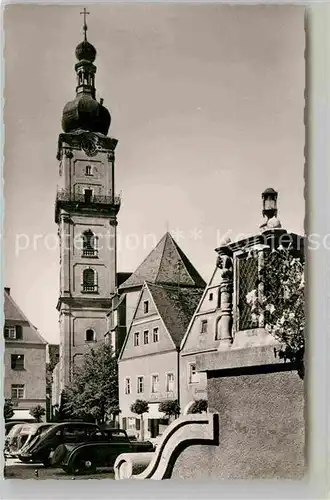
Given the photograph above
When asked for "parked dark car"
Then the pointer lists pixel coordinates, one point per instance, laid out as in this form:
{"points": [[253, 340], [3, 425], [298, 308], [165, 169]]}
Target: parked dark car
{"points": [[102, 452], [12, 436], [42, 446], [28, 434], [11, 424]]}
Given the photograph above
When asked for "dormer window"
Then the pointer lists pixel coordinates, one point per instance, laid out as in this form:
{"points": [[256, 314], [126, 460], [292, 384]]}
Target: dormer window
{"points": [[88, 170]]}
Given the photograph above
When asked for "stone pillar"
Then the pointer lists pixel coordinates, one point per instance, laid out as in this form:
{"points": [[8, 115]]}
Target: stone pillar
{"points": [[224, 327]]}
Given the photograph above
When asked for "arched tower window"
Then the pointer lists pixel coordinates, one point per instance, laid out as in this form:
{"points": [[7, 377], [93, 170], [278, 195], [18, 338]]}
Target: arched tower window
{"points": [[90, 335], [89, 244], [89, 280]]}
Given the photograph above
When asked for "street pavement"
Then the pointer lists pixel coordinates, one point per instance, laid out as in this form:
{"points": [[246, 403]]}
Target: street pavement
{"points": [[14, 469]]}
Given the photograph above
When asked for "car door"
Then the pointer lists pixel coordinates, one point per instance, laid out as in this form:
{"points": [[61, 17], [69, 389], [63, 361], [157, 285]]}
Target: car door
{"points": [[119, 444], [74, 434]]}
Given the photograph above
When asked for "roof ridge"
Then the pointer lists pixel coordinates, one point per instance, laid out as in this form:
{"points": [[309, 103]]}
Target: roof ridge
{"points": [[162, 255], [14, 303]]}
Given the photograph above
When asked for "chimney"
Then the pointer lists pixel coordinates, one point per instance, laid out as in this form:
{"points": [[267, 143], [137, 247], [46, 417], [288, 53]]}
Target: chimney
{"points": [[7, 290]]}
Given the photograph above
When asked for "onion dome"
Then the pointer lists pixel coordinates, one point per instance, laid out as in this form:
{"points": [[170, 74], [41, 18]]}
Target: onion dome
{"points": [[85, 51], [85, 112]]}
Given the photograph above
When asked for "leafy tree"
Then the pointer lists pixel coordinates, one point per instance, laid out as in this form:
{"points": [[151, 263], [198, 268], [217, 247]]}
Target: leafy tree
{"points": [[170, 408], [283, 304], [199, 406], [139, 407], [37, 412], [93, 391], [8, 409]]}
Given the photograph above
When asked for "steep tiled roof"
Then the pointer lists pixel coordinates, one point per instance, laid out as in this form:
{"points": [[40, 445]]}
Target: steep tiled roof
{"points": [[13, 315], [165, 264], [176, 307]]}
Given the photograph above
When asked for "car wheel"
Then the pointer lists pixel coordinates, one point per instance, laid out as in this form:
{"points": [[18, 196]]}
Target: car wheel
{"points": [[82, 466]]}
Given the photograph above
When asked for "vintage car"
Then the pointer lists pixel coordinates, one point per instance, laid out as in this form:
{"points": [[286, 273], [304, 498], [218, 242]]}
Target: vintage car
{"points": [[12, 436], [11, 424], [26, 435], [102, 452], [41, 447]]}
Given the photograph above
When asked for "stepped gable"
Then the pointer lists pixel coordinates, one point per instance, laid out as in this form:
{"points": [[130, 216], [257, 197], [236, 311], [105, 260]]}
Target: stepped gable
{"points": [[166, 264], [176, 307]]}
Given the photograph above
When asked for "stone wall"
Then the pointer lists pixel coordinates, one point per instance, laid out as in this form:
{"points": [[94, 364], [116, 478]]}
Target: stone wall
{"points": [[261, 427]]}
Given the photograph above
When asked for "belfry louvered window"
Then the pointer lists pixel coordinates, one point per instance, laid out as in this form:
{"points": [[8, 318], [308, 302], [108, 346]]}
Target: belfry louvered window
{"points": [[89, 244], [89, 280], [247, 267]]}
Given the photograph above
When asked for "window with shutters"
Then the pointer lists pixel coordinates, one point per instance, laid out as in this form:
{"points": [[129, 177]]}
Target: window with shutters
{"points": [[247, 267], [17, 361], [13, 332], [89, 283]]}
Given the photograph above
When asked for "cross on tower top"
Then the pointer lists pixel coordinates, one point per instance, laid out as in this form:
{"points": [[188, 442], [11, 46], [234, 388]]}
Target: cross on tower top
{"points": [[85, 13]]}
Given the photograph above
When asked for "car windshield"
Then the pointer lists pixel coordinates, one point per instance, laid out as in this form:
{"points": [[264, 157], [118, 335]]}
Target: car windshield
{"points": [[14, 430]]}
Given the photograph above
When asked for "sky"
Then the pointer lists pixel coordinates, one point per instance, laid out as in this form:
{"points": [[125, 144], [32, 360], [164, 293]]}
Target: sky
{"points": [[206, 102]]}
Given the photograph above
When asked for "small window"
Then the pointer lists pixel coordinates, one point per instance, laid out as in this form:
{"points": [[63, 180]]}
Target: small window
{"points": [[155, 335], [204, 326], [88, 170], [17, 391], [136, 339], [146, 306], [210, 296], [90, 335], [146, 337], [193, 375], [13, 332], [140, 385], [170, 382], [154, 383], [127, 386], [88, 195], [17, 362]]}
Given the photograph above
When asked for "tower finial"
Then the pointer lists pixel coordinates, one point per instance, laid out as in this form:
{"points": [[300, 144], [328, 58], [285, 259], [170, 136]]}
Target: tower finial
{"points": [[85, 13]]}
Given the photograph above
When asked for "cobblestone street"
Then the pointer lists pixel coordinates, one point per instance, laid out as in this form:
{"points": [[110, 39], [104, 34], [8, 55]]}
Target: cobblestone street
{"points": [[14, 469]]}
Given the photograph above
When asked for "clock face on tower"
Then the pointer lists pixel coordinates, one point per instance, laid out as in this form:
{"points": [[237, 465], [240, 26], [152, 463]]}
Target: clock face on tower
{"points": [[89, 146]]}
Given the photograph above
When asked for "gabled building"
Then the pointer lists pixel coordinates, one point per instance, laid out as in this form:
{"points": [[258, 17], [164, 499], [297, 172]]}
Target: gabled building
{"points": [[165, 265], [24, 361], [223, 326], [149, 360]]}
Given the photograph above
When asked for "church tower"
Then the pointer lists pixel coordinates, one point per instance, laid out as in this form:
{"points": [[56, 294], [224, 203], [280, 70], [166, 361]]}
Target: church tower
{"points": [[86, 211]]}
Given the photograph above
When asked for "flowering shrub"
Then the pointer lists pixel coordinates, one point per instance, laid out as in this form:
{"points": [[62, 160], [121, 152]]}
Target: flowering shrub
{"points": [[282, 304]]}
